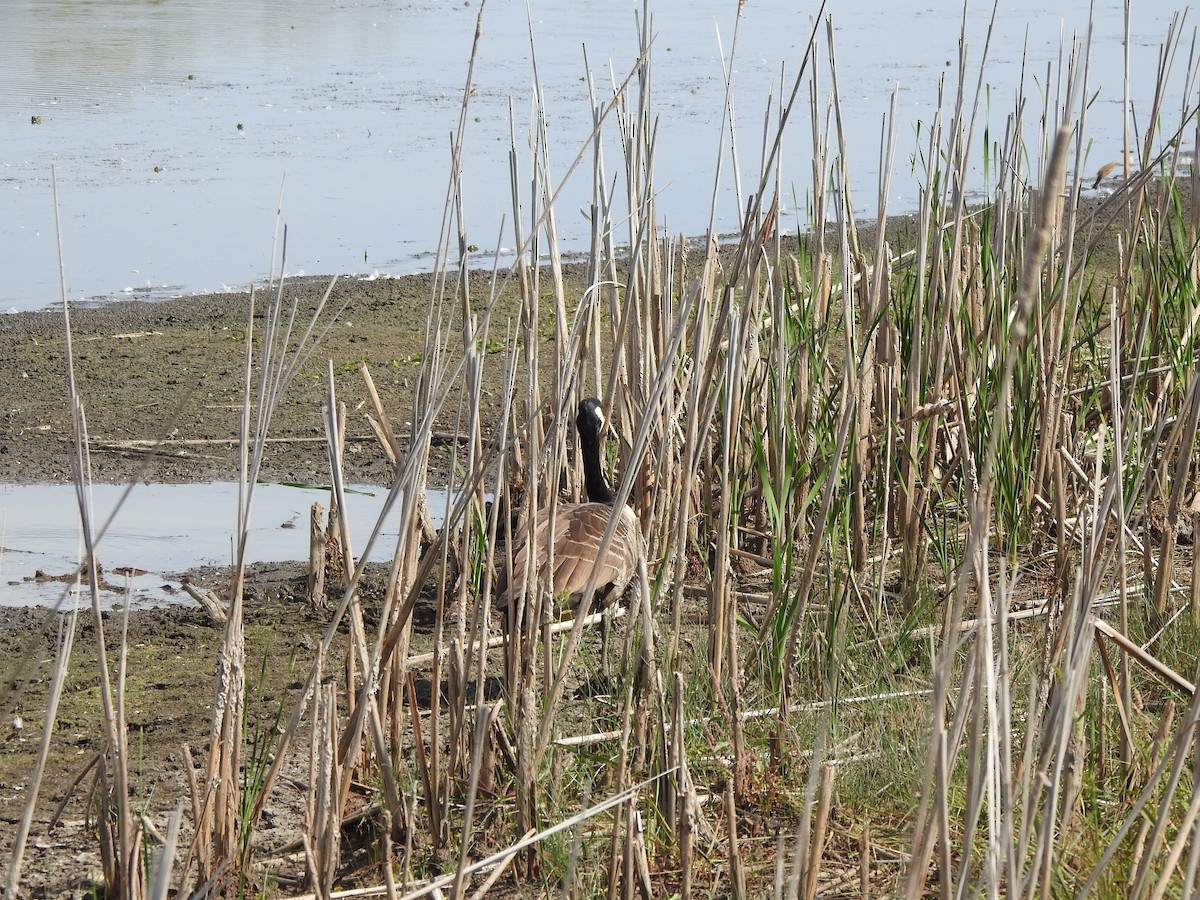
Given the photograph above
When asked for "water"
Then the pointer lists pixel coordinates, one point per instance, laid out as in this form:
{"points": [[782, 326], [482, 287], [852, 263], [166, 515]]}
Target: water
{"points": [[173, 124], [163, 530]]}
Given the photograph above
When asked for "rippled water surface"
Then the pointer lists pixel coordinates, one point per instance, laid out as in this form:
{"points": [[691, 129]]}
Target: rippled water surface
{"points": [[172, 124]]}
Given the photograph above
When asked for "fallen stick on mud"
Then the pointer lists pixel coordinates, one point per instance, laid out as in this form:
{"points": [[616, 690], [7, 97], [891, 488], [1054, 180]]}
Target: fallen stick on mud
{"points": [[437, 439], [128, 335], [208, 600], [424, 659], [151, 443], [751, 714]]}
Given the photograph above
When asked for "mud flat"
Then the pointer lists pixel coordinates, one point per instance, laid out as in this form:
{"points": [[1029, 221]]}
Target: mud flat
{"points": [[162, 384]]}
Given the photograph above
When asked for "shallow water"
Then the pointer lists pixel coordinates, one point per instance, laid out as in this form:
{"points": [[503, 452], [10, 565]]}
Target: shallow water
{"points": [[173, 124], [164, 530]]}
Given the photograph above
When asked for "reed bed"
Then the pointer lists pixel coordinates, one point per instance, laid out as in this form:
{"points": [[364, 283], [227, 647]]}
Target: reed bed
{"points": [[918, 608]]}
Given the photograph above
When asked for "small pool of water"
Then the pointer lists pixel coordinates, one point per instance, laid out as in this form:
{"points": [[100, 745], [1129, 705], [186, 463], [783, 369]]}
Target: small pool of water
{"points": [[161, 531]]}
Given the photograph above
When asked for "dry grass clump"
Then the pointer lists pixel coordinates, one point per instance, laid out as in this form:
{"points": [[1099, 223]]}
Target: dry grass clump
{"points": [[917, 613]]}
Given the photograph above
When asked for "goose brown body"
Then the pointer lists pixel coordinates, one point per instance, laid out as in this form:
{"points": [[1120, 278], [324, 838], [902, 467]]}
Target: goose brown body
{"points": [[573, 548], [575, 545]]}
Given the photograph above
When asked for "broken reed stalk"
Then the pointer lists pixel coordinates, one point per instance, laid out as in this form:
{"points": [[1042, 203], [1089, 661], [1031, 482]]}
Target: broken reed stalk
{"points": [[322, 837], [820, 827], [62, 656], [483, 724], [317, 542], [737, 869], [120, 851]]}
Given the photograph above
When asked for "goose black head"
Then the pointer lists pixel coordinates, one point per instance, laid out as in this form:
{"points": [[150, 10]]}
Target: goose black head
{"points": [[590, 420]]}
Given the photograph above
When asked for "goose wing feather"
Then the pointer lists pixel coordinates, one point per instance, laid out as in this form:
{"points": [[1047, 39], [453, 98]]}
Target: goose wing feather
{"points": [[578, 533]]}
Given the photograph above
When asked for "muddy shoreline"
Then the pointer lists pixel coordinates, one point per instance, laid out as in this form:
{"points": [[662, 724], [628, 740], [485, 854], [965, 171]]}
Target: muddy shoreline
{"points": [[162, 384]]}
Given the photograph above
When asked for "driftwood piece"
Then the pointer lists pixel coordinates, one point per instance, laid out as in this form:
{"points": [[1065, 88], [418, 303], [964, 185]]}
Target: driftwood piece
{"points": [[128, 335], [208, 601]]}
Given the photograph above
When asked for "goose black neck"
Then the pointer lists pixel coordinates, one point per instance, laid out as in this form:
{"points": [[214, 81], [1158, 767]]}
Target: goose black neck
{"points": [[594, 481]]}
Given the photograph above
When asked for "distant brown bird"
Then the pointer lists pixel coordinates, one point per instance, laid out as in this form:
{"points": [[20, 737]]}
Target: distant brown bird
{"points": [[1103, 172], [578, 530]]}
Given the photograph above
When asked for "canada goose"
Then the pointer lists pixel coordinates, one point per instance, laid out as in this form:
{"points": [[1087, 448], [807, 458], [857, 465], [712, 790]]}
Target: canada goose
{"points": [[578, 531]]}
